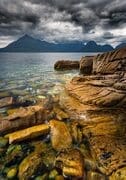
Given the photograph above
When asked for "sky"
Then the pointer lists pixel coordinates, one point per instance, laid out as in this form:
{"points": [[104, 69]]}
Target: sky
{"points": [[103, 21]]}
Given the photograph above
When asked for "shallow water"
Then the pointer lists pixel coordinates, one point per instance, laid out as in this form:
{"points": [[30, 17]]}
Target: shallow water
{"points": [[33, 73]]}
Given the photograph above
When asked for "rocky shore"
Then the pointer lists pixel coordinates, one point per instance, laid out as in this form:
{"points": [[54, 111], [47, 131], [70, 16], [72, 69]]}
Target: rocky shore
{"points": [[78, 134]]}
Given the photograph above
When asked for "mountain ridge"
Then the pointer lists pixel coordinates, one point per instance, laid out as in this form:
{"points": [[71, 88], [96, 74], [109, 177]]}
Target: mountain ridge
{"points": [[27, 43]]}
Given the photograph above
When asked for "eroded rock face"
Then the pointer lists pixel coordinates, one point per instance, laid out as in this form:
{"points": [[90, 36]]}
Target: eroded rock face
{"points": [[103, 92], [110, 62], [66, 65], [86, 65], [60, 136]]}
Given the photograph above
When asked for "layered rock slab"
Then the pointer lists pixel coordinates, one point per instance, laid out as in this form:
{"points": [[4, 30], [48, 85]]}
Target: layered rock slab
{"points": [[103, 93], [28, 133], [22, 118]]}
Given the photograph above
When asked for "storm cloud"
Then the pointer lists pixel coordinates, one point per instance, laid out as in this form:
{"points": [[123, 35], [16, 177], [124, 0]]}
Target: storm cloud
{"points": [[63, 20]]}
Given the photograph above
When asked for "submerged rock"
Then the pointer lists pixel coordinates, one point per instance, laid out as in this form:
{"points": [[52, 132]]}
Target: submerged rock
{"points": [[71, 163], [14, 155], [59, 177], [60, 136], [3, 142], [7, 101], [53, 174], [28, 133], [12, 173], [66, 65], [30, 166], [4, 94]]}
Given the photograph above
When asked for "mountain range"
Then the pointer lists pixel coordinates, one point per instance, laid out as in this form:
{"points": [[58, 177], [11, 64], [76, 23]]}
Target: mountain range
{"points": [[29, 44]]}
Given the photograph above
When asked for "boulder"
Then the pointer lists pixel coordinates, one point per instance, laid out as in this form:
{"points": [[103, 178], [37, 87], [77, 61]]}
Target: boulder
{"points": [[60, 136], [28, 133], [86, 65], [66, 65], [6, 101], [23, 118]]}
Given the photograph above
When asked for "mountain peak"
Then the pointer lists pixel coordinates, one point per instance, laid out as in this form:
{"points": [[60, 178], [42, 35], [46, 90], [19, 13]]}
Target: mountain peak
{"points": [[26, 36]]}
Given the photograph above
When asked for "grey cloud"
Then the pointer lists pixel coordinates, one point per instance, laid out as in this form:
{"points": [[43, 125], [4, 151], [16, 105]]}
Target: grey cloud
{"points": [[78, 17], [108, 35]]}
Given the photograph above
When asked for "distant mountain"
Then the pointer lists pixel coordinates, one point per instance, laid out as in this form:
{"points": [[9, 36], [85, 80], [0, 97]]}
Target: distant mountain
{"points": [[120, 46], [91, 46], [30, 44]]}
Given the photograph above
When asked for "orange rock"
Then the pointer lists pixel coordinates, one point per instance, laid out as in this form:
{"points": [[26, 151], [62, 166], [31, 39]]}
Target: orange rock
{"points": [[60, 136], [28, 133]]}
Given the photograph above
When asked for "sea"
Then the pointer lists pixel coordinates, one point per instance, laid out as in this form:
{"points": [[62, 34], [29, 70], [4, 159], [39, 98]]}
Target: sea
{"points": [[26, 75]]}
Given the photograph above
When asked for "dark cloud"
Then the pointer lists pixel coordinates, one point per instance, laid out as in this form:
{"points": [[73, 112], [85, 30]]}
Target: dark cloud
{"points": [[63, 19]]}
